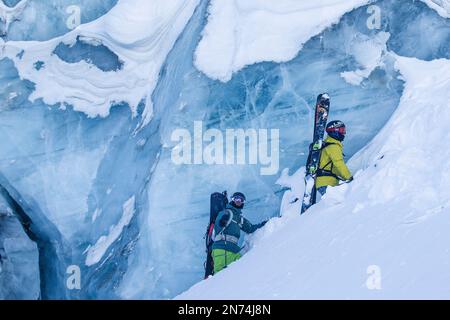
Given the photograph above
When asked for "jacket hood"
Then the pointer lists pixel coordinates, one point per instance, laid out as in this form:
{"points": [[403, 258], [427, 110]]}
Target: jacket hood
{"points": [[332, 140]]}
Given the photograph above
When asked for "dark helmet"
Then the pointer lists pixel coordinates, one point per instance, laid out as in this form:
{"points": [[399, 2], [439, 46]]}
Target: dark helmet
{"points": [[238, 199], [336, 130]]}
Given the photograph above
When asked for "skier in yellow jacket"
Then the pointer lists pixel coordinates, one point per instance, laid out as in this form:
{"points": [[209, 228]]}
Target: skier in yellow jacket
{"points": [[332, 167]]}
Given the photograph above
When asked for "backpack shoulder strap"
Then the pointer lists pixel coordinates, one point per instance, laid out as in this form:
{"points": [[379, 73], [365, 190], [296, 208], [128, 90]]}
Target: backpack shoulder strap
{"points": [[240, 223], [327, 144], [324, 145], [231, 216]]}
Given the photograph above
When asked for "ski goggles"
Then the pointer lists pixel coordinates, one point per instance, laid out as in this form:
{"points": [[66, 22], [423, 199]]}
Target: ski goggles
{"points": [[238, 199], [340, 130]]}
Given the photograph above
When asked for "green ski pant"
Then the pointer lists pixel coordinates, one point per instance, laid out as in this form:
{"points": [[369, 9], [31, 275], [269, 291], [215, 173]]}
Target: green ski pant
{"points": [[223, 258]]}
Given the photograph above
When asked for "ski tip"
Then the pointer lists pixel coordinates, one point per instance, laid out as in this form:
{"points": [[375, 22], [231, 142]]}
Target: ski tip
{"points": [[323, 96]]}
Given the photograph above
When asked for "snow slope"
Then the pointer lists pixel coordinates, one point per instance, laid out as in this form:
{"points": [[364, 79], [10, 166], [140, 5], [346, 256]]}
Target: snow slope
{"points": [[140, 32], [383, 236], [368, 52]]}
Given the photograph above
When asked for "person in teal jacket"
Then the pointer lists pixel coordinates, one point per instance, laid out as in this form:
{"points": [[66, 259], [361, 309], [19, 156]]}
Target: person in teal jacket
{"points": [[227, 229]]}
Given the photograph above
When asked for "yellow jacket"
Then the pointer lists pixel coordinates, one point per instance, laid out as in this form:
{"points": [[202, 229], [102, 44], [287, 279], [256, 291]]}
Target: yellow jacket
{"points": [[332, 159]]}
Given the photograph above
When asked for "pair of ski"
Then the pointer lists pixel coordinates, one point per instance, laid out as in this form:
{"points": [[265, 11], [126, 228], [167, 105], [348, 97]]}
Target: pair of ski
{"points": [[312, 164]]}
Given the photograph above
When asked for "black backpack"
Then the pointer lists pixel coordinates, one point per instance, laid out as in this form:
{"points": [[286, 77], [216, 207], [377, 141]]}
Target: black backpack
{"points": [[218, 202]]}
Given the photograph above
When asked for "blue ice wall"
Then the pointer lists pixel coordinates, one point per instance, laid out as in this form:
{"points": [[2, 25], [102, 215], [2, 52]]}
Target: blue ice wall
{"points": [[19, 259], [73, 173], [11, 3], [98, 55], [47, 156]]}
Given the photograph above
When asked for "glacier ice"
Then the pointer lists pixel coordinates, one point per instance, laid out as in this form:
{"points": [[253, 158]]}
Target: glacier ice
{"points": [[141, 45], [60, 162], [97, 251], [421, 33], [19, 259], [105, 190], [96, 54], [26, 20]]}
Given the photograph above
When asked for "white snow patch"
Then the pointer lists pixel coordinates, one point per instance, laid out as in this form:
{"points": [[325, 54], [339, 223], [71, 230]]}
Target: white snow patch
{"points": [[291, 203], [96, 252], [368, 52], [244, 32], [9, 15], [12, 95], [140, 32], [442, 7], [393, 216], [96, 214]]}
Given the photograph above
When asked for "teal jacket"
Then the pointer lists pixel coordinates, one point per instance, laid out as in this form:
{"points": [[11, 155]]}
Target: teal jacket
{"points": [[227, 237]]}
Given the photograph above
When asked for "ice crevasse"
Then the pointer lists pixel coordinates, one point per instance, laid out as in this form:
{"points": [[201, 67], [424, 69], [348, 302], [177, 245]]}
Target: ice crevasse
{"points": [[87, 117]]}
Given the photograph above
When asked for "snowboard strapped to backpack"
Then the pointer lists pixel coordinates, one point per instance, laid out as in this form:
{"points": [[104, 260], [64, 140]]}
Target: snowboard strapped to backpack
{"points": [[218, 202]]}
